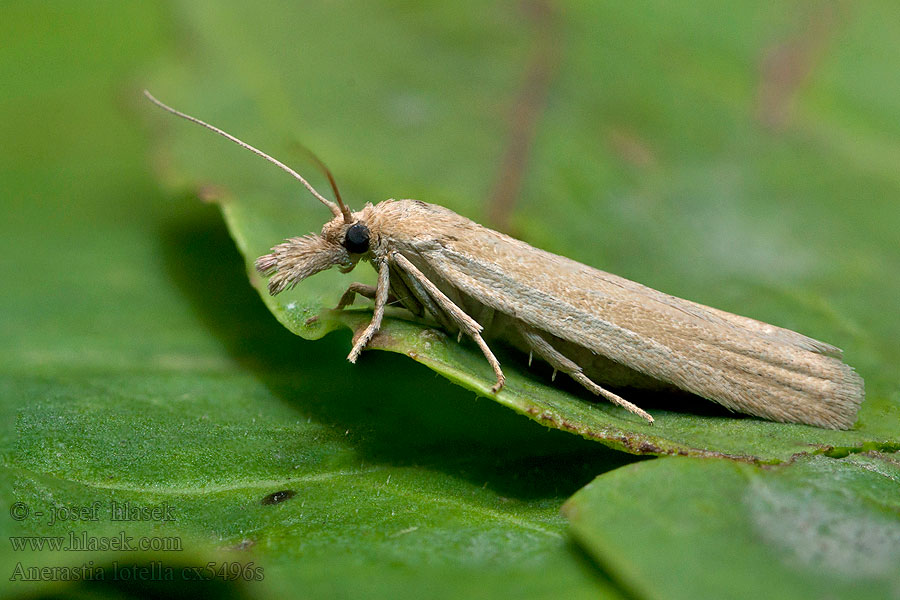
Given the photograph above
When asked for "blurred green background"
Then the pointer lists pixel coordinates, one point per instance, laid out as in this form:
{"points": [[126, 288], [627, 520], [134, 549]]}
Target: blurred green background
{"points": [[742, 156]]}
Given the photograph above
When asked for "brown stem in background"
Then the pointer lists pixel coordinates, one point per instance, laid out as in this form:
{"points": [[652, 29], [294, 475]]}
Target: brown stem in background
{"points": [[787, 65], [528, 106]]}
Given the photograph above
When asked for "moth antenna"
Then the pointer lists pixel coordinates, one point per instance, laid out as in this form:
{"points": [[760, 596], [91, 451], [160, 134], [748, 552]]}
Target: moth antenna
{"points": [[342, 211], [348, 217]]}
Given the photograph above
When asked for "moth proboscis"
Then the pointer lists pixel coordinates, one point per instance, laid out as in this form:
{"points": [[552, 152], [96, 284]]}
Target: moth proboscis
{"points": [[586, 323]]}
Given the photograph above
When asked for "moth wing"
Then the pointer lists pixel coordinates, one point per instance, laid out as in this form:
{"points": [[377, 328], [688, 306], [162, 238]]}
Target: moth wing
{"points": [[741, 363]]}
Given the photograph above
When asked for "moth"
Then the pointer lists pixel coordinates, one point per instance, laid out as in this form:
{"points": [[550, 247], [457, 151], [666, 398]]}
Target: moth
{"points": [[588, 324]]}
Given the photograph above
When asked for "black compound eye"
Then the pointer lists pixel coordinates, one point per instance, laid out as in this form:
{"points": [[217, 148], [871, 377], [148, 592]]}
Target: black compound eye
{"points": [[356, 240]]}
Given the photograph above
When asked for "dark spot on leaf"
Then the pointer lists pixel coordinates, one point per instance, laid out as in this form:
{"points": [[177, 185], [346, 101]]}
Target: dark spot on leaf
{"points": [[648, 447], [278, 497], [383, 340]]}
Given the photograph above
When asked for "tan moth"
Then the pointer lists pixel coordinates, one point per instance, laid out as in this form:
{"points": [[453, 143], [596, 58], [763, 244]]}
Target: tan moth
{"points": [[586, 323]]}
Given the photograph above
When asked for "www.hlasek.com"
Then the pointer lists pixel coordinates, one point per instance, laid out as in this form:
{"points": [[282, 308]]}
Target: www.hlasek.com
{"points": [[150, 571], [82, 541]]}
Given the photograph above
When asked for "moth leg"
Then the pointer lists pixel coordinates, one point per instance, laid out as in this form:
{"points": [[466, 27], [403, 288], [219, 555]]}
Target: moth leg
{"points": [[543, 349], [464, 322], [403, 294], [366, 291], [382, 291], [425, 300]]}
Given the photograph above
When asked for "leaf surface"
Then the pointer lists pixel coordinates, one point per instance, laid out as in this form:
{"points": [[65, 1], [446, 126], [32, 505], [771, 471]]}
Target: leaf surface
{"points": [[819, 528]]}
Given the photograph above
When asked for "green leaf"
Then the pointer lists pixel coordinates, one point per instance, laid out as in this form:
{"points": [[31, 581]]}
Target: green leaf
{"points": [[312, 500], [681, 528], [723, 205]]}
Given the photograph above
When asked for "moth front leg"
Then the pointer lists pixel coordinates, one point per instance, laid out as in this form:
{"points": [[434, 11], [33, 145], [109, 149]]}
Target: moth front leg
{"points": [[464, 322], [559, 362], [366, 291], [382, 291]]}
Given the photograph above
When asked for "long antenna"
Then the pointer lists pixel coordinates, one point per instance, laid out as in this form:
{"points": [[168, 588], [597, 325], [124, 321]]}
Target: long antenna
{"points": [[342, 211]]}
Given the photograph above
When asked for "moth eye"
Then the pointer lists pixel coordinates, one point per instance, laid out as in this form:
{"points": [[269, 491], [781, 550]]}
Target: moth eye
{"points": [[356, 240]]}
